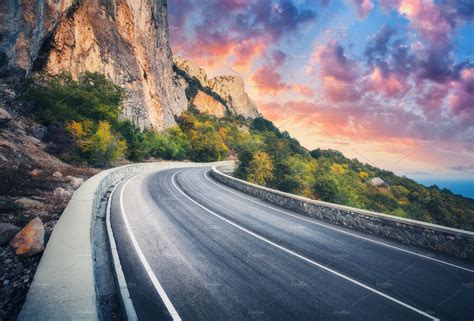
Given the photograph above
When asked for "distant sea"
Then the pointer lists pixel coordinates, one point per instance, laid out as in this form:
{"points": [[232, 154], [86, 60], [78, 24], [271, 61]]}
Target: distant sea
{"points": [[465, 187]]}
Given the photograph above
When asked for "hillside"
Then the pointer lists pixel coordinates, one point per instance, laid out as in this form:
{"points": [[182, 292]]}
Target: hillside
{"points": [[272, 158]]}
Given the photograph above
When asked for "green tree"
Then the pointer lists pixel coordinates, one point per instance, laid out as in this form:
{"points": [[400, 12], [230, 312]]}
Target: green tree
{"points": [[261, 168], [97, 144], [61, 99]]}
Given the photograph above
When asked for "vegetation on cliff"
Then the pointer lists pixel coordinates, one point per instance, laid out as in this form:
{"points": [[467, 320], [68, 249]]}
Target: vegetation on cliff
{"points": [[84, 115]]}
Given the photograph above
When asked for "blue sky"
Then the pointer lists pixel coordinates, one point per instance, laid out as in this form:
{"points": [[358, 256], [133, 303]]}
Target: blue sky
{"points": [[390, 83]]}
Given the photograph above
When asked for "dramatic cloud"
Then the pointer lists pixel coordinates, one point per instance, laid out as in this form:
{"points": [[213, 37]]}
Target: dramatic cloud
{"points": [[377, 46], [434, 21], [334, 63], [462, 98], [243, 29], [267, 78], [388, 83], [398, 78]]}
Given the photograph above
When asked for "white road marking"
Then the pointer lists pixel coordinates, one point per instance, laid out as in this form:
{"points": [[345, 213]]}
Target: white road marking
{"points": [[257, 201], [124, 293], [174, 314], [301, 256]]}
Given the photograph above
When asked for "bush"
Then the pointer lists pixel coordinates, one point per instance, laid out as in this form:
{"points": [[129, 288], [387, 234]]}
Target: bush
{"points": [[207, 147], [170, 145], [260, 168], [97, 144], [61, 99]]}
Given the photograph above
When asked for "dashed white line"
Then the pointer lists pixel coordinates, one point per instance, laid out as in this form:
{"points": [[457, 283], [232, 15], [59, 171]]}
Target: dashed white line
{"points": [[301, 256], [174, 314], [230, 190]]}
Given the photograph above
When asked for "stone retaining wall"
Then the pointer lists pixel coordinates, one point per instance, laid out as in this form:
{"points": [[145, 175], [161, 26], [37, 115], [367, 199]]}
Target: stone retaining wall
{"points": [[446, 240]]}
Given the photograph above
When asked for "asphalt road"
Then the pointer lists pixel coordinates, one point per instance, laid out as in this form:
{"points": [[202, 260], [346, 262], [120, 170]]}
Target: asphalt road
{"points": [[194, 249]]}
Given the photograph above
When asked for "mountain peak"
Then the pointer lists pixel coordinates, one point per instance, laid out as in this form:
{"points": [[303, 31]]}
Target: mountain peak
{"points": [[230, 89]]}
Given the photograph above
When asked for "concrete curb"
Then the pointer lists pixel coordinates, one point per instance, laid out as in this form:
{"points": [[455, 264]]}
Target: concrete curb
{"points": [[443, 239], [64, 286]]}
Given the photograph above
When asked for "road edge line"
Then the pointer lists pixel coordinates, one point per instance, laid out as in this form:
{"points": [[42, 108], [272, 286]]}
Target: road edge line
{"points": [[161, 292], [127, 303]]}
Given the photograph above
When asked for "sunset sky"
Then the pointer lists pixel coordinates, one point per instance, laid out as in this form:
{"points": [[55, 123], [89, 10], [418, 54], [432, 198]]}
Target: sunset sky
{"points": [[390, 83]]}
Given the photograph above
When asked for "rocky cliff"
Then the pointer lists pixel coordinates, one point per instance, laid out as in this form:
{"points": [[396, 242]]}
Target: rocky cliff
{"points": [[211, 95], [232, 90], [127, 40]]}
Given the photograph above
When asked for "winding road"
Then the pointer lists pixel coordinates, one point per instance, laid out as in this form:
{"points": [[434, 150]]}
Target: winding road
{"points": [[194, 249]]}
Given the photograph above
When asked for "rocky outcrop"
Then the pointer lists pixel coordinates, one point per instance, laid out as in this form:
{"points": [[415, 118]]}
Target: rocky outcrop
{"points": [[230, 89], [24, 26], [208, 104], [377, 182], [127, 40], [30, 240], [191, 69]]}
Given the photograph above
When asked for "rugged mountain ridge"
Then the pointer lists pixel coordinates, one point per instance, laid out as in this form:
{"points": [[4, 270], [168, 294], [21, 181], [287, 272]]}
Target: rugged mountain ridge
{"points": [[126, 40], [217, 95]]}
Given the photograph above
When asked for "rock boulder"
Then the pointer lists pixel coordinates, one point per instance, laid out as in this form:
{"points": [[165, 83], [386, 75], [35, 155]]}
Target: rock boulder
{"points": [[28, 203], [75, 182], [61, 192], [7, 232], [5, 116], [377, 182], [30, 240]]}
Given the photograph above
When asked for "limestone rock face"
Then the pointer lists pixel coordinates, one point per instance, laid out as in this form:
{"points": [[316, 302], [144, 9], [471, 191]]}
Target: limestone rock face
{"points": [[30, 240], [208, 104], [126, 40], [24, 25], [193, 70], [232, 90]]}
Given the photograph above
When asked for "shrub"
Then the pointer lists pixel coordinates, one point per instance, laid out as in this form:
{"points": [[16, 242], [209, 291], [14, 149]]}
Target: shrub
{"points": [[97, 144], [207, 146], [171, 144], [260, 168], [61, 99]]}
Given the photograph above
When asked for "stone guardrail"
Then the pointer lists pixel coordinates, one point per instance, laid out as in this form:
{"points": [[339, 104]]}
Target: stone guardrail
{"points": [[443, 239], [64, 287]]}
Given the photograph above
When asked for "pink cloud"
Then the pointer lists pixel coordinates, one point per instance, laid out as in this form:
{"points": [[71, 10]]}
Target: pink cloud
{"points": [[390, 83], [268, 80], [462, 98], [435, 22], [363, 7], [304, 90], [339, 91], [334, 63], [431, 99]]}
